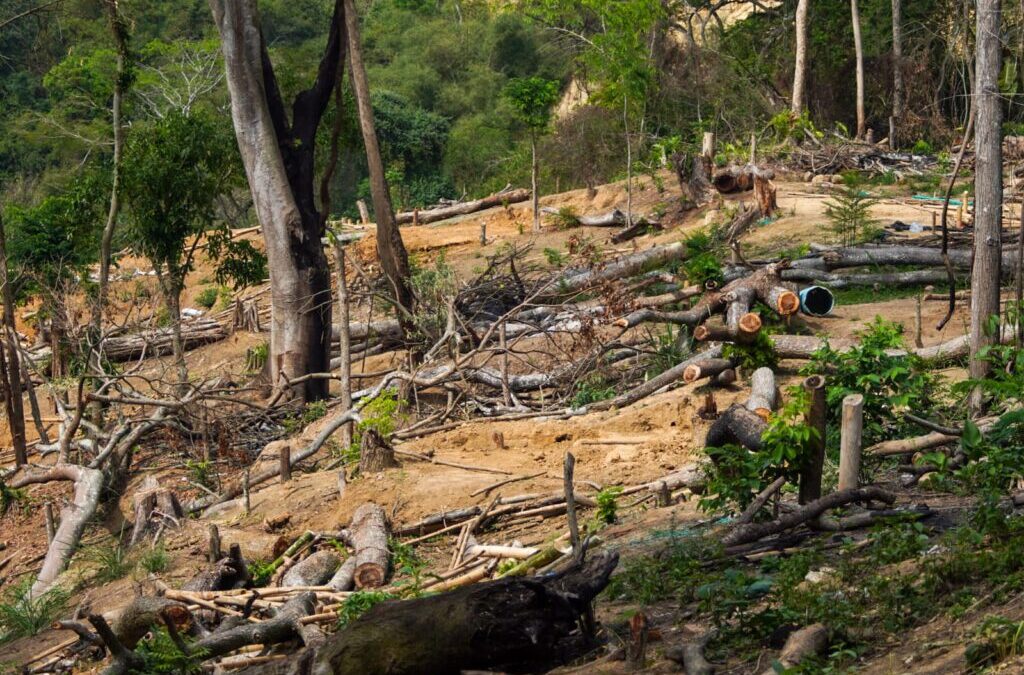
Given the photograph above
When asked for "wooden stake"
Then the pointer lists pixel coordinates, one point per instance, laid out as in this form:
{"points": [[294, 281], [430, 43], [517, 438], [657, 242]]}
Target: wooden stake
{"points": [[570, 504], [245, 491], [51, 528], [707, 147], [483, 233], [850, 444], [917, 322], [285, 458], [810, 476], [342, 482], [214, 553]]}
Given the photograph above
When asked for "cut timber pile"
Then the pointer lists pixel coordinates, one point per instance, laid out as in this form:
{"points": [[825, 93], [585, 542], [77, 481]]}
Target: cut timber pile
{"points": [[445, 212]]}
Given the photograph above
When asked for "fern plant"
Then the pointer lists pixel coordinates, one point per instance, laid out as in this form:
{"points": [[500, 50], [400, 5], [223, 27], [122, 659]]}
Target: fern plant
{"points": [[850, 214]]}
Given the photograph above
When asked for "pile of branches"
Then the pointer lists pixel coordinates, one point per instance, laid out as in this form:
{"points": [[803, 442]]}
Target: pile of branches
{"points": [[833, 158]]}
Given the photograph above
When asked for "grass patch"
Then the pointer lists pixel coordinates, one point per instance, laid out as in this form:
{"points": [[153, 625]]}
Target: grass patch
{"points": [[22, 615]]}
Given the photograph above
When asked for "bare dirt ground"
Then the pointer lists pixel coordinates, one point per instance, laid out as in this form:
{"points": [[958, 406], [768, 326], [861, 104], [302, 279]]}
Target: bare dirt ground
{"points": [[628, 446]]}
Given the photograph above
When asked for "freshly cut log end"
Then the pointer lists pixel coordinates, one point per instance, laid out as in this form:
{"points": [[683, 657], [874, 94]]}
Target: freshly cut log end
{"points": [[786, 302], [702, 333], [750, 323], [370, 539], [705, 368]]}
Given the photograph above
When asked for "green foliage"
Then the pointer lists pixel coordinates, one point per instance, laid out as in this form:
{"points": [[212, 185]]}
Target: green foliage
{"points": [[239, 262], [22, 614], [788, 126], [671, 346], [758, 353], [357, 604], [435, 287], [702, 262], [889, 383], [110, 561], [202, 471], [407, 563], [850, 214], [174, 170], [996, 638], [608, 504], [207, 297], [591, 390], [155, 559], [922, 147], [566, 218], [9, 496], [161, 655], [532, 98], [554, 257], [674, 573], [736, 475], [261, 572]]}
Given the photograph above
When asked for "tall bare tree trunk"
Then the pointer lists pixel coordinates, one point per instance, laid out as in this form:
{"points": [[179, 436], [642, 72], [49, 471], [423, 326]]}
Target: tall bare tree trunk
{"points": [[898, 90], [988, 190], [629, 162], [11, 368], [278, 154], [858, 47], [800, 62], [119, 29], [394, 259], [344, 342], [535, 197]]}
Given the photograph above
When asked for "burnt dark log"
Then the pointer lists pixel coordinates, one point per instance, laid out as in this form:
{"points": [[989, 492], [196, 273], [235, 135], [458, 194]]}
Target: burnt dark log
{"points": [[515, 624], [737, 426]]}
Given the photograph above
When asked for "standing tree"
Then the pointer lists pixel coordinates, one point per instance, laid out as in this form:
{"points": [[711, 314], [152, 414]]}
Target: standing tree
{"points": [[278, 154], [174, 171], [533, 98], [800, 62], [898, 91], [858, 47], [394, 259], [988, 192]]}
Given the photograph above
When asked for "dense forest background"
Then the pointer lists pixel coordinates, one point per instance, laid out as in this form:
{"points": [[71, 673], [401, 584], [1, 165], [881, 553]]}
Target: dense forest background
{"points": [[658, 73]]}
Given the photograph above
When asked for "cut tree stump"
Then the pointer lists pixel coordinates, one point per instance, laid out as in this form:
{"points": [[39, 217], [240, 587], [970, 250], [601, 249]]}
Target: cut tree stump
{"points": [[762, 393], [737, 426], [369, 530], [153, 504], [375, 453]]}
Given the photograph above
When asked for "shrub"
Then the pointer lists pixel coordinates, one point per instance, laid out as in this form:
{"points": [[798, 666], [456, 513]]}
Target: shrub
{"points": [[702, 259], [358, 604], [850, 213], [155, 559], [207, 297], [110, 561], [22, 615]]}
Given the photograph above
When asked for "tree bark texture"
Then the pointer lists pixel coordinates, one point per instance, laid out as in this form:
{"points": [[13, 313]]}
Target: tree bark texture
{"points": [[988, 190], [858, 47], [278, 155], [369, 530], [800, 62]]}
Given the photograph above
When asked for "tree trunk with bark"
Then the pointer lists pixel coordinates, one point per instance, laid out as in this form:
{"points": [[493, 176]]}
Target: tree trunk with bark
{"points": [[858, 47], [898, 90], [799, 101], [394, 259], [534, 170], [988, 190], [369, 530], [278, 155]]}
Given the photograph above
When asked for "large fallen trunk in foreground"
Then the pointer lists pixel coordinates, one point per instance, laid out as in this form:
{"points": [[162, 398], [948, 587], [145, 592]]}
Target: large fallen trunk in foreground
{"points": [[515, 624], [461, 209]]}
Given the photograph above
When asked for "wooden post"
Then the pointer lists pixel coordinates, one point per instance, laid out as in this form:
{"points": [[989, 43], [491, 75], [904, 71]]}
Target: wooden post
{"points": [[506, 391], [51, 527], [342, 483], [810, 475], [753, 148], [849, 446], [245, 491], [570, 504], [214, 553], [918, 342], [364, 213], [285, 458], [483, 233]]}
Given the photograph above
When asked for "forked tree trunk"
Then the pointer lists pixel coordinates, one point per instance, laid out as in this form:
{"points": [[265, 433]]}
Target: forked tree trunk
{"points": [[988, 190], [279, 163], [858, 47], [800, 62], [394, 259]]}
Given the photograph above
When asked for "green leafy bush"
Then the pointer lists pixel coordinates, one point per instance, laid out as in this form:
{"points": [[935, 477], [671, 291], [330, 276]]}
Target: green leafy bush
{"points": [[155, 559], [358, 604], [850, 214], [592, 390], [207, 297], [22, 615], [756, 354], [735, 475], [889, 383], [702, 259], [608, 504], [161, 655]]}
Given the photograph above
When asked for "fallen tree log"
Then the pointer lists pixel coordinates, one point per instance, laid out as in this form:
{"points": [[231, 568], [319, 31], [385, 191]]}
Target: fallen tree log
{"points": [[706, 368], [315, 570], [865, 256], [655, 383], [426, 216], [751, 532], [737, 426], [514, 624], [73, 518], [620, 268], [639, 228], [846, 280], [369, 531], [762, 393]]}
